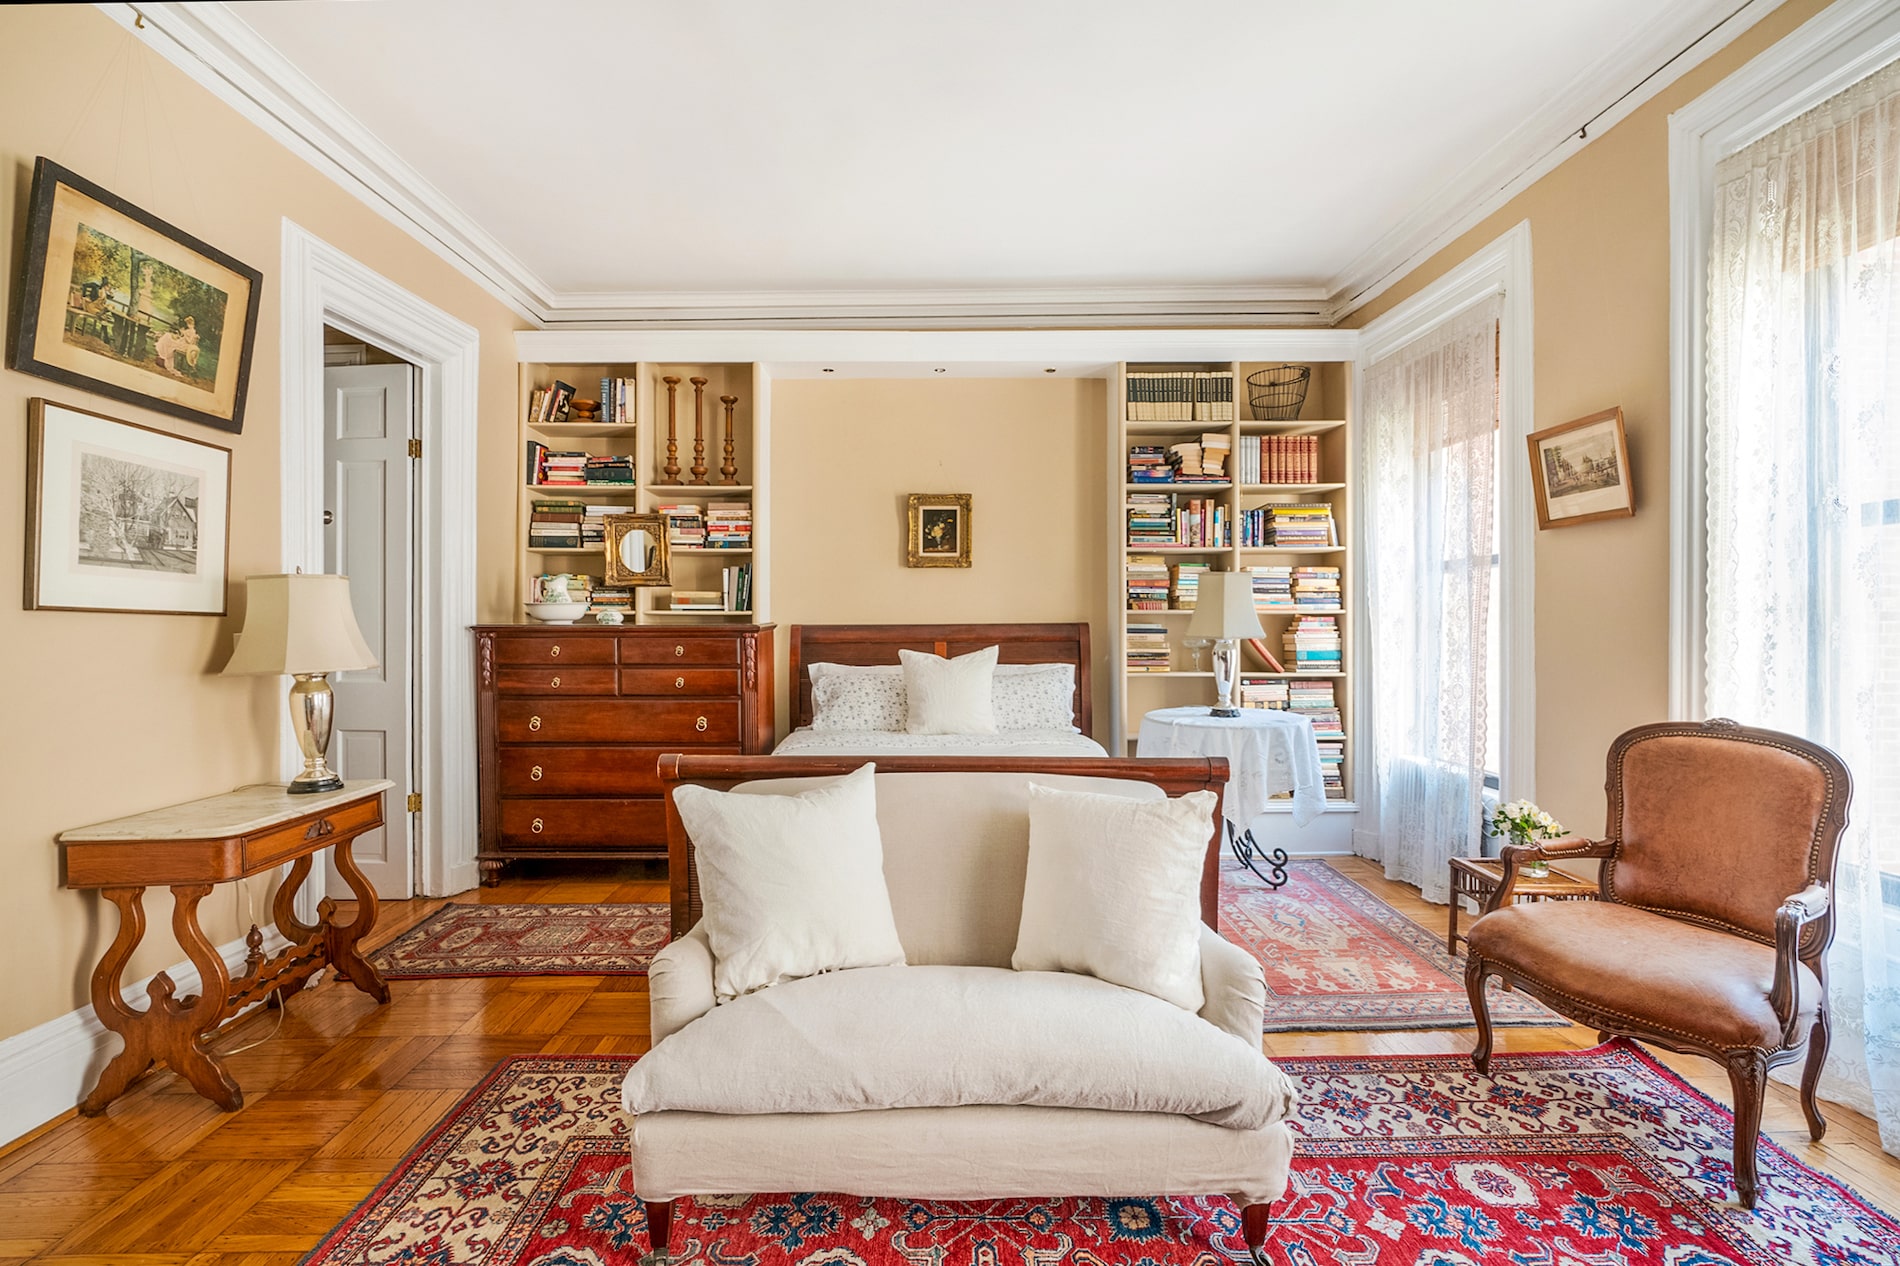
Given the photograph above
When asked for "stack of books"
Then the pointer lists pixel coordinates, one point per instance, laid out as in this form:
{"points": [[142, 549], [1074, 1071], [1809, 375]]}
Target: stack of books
{"points": [[698, 600], [594, 524], [1279, 459], [1184, 585], [729, 525], [1199, 462], [1273, 589], [1288, 526], [685, 526], [1312, 644], [1148, 464], [616, 400], [1150, 518], [1332, 769], [1314, 701], [1316, 588], [1264, 693], [1180, 395], [1147, 583], [605, 599], [554, 468], [555, 523], [735, 587], [606, 469], [1147, 648], [548, 405]]}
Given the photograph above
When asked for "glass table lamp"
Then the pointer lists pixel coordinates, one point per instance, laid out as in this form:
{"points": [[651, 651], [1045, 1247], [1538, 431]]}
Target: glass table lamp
{"points": [[303, 626], [1224, 614]]}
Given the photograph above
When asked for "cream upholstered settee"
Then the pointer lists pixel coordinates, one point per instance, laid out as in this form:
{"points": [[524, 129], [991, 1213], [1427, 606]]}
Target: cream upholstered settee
{"points": [[954, 1077]]}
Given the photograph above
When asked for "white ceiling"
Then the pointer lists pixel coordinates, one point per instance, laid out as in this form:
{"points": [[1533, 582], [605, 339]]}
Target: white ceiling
{"points": [[641, 152]]}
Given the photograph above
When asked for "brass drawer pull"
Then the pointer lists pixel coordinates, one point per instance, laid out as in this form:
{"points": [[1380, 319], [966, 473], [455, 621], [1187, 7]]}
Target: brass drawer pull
{"points": [[700, 724], [555, 684], [535, 826], [534, 723], [554, 651], [535, 773], [679, 683], [679, 650]]}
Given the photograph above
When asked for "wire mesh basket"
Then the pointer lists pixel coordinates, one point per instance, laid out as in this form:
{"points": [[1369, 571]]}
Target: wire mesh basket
{"points": [[1276, 395]]}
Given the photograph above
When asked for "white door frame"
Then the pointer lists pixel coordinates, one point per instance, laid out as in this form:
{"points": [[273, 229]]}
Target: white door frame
{"points": [[322, 286]]}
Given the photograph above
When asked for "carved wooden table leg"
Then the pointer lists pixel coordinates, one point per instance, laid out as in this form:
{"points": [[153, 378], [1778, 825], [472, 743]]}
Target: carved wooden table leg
{"points": [[109, 1003], [340, 940], [183, 1026]]}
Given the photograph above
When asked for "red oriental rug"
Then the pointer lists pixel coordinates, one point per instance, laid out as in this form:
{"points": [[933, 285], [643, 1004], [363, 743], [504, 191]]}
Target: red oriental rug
{"points": [[1337, 957], [1584, 1158], [528, 940]]}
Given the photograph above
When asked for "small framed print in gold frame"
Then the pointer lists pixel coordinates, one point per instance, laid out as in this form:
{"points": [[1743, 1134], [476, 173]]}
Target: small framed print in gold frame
{"points": [[636, 549], [939, 531], [1580, 471]]}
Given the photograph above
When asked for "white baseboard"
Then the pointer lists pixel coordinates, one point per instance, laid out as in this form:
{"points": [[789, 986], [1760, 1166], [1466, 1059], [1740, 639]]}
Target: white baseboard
{"points": [[49, 1068]]}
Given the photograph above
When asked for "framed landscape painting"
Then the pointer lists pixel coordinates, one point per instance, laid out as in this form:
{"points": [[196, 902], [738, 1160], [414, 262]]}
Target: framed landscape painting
{"points": [[1581, 471], [116, 301], [121, 517]]}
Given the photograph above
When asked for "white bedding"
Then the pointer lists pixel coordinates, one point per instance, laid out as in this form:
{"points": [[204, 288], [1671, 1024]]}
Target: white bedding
{"points": [[806, 742]]}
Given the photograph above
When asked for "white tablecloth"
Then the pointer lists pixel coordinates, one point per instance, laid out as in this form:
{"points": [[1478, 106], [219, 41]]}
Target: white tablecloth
{"points": [[1268, 752]]}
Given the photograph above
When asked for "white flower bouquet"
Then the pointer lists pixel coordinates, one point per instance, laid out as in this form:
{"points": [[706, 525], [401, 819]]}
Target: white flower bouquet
{"points": [[1521, 822]]}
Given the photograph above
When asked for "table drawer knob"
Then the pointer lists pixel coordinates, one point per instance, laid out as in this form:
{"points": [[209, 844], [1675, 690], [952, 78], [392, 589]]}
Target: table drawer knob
{"points": [[554, 683], [554, 651], [534, 723], [318, 829], [679, 683], [700, 724], [679, 650], [535, 773], [535, 826]]}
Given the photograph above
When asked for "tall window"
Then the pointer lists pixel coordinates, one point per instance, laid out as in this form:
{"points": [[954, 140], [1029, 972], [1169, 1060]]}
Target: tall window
{"points": [[1803, 546]]}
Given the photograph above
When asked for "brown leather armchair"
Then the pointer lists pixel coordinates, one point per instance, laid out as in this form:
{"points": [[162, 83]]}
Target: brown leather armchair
{"points": [[1714, 917]]}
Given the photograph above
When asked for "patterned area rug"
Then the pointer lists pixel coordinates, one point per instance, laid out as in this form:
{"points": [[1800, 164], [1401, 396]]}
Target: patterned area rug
{"points": [[1592, 1158], [528, 940], [1337, 957]]}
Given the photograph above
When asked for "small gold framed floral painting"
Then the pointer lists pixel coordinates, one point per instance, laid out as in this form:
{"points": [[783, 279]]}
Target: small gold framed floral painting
{"points": [[939, 534]]}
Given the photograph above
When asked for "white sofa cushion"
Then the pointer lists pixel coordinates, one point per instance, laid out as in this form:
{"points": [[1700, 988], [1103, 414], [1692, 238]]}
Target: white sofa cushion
{"points": [[949, 696], [792, 885], [1114, 890], [926, 1037]]}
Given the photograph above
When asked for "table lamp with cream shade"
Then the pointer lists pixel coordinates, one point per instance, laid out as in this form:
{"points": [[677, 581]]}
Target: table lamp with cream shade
{"points": [[1224, 614], [303, 625]]}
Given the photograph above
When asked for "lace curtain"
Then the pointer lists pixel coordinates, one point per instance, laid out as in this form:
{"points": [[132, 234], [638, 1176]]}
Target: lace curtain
{"points": [[1430, 459], [1804, 510]]}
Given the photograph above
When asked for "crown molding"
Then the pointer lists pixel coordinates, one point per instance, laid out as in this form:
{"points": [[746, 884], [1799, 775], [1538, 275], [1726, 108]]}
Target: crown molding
{"points": [[1677, 38]]}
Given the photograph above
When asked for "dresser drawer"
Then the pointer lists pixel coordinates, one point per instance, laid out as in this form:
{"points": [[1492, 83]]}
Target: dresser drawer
{"points": [[535, 824], [588, 771], [555, 679], [554, 649], [692, 722], [286, 842], [684, 648], [720, 682]]}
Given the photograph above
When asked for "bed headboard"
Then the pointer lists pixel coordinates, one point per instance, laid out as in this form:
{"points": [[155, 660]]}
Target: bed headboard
{"points": [[879, 644]]}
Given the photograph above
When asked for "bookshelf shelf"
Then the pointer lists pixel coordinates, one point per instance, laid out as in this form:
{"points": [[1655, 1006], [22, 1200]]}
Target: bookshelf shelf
{"points": [[1244, 503], [583, 490], [688, 491], [665, 613], [583, 430]]}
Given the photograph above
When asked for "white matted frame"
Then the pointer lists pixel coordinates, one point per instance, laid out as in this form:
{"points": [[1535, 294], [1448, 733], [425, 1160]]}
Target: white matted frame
{"points": [[322, 286], [1501, 268], [1826, 55]]}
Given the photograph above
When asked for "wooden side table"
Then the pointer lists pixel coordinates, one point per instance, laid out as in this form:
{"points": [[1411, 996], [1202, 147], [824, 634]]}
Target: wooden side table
{"points": [[190, 848], [1479, 877]]}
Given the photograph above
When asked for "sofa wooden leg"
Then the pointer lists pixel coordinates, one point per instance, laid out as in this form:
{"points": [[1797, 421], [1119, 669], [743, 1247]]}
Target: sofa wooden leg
{"points": [[1476, 970], [1254, 1220], [1748, 1078], [1811, 1075], [659, 1226]]}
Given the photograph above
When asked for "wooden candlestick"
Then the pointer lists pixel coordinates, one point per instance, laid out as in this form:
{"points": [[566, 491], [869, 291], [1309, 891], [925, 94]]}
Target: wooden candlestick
{"points": [[730, 470], [672, 467], [699, 430]]}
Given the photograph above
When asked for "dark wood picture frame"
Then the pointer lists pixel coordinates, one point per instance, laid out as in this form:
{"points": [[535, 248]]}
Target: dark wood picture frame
{"points": [[1620, 454], [918, 550], [36, 452], [83, 335]]}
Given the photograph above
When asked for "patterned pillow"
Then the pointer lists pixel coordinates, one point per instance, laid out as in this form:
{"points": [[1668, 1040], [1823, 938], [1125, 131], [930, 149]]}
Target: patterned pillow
{"points": [[858, 701], [1033, 696]]}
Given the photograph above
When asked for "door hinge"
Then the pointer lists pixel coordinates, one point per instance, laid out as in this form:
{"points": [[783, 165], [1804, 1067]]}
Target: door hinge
{"points": [[415, 802], [415, 448]]}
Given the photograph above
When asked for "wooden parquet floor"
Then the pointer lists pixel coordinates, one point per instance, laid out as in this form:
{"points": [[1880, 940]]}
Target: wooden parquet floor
{"points": [[345, 1088]]}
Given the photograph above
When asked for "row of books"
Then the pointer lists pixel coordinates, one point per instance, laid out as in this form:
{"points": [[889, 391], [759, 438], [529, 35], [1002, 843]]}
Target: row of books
{"points": [[572, 468], [1288, 526], [1147, 576], [1147, 648], [1158, 519], [1296, 588], [616, 400], [1180, 395], [1202, 461], [1332, 769], [734, 593], [558, 523], [550, 404], [719, 525], [1312, 644], [1278, 459]]}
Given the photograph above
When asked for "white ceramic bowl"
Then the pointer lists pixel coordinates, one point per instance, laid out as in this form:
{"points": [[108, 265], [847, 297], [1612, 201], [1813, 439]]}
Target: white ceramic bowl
{"points": [[557, 612]]}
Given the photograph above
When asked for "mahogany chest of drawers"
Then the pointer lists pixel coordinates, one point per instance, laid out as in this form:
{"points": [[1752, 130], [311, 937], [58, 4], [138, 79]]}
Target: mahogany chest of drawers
{"points": [[572, 721]]}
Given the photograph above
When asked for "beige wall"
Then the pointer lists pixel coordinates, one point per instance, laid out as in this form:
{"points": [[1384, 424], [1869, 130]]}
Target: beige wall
{"points": [[102, 715], [1600, 276], [846, 455]]}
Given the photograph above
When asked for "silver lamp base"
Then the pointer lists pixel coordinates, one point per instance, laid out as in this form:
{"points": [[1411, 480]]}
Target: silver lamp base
{"points": [[311, 710], [1226, 672]]}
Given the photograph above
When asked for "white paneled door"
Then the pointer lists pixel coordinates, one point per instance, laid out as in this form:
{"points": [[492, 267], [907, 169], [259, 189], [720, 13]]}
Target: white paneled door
{"points": [[369, 414]]}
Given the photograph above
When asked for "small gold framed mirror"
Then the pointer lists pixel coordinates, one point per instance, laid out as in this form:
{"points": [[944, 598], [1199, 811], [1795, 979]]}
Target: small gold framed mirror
{"points": [[636, 549]]}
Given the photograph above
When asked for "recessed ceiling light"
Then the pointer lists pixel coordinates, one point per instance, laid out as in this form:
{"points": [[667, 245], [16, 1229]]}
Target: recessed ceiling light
{"points": [[940, 371], [830, 371], [1048, 371]]}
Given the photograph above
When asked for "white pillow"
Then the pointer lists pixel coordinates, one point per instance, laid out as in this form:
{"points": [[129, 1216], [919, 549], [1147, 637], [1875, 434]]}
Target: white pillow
{"points": [[858, 701], [792, 885], [949, 696], [1114, 890], [818, 672], [1034, 696]]}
